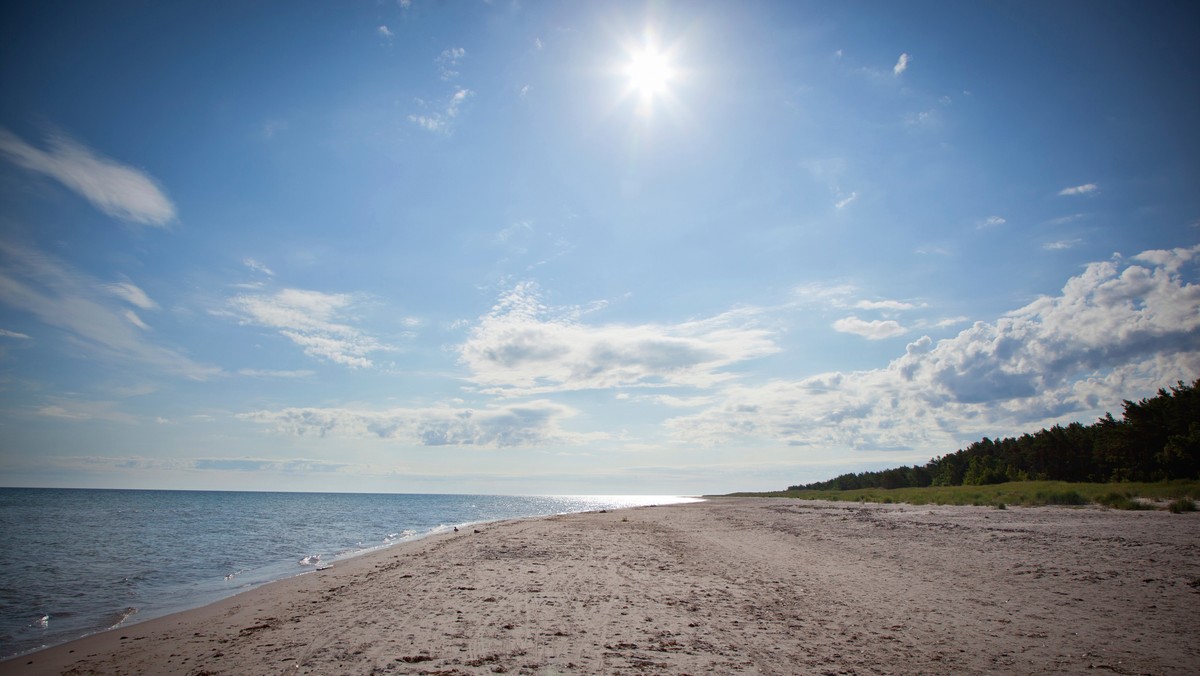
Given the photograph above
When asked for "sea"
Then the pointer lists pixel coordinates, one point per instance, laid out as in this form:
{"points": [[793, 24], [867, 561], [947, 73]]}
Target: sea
{"points": [[80, 561]]}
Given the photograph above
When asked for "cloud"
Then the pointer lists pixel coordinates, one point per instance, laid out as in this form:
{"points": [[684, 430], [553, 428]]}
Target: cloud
{"points": [[992, 221], [5, 333], [300, 466], [448, 59], [534, 423], [257, 267], [60, 296], [846, 200], [131, 294], [1061, 244], [524, 347], [404, 4], [883, 305], [118, 190], [876, 329], [1085, 189], [259, 373], [440, 121], [1115, 331], [901, 64], [314, 321], [385, 32]]}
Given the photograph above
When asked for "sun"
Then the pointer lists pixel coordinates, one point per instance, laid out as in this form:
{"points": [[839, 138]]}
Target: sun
{"points": [[649, 72]]}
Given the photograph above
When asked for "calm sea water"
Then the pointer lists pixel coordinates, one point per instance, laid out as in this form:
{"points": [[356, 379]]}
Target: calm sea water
{"points": [[80, 561]]}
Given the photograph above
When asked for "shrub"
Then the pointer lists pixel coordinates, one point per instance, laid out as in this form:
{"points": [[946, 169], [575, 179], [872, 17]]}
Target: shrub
{"points": [[1182, 505], [1117, 500], [1063, 498]]}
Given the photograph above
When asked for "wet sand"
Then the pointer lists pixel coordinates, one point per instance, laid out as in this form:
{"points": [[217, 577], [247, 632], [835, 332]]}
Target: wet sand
{"points": [[751, 586]]}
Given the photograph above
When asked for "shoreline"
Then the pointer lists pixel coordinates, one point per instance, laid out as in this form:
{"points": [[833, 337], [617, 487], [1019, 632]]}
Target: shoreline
{"points": [[756, 585]]}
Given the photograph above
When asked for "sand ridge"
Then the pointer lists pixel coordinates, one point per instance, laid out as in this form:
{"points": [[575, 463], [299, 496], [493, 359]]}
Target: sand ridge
{"points": [[753, 586]]}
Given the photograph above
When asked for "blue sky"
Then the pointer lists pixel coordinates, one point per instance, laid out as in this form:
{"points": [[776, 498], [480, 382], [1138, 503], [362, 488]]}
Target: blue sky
{"points": [[582, 247]]}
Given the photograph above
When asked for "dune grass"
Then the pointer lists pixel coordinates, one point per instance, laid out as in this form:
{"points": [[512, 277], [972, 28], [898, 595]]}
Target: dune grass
{"points": [[1024, 493]]}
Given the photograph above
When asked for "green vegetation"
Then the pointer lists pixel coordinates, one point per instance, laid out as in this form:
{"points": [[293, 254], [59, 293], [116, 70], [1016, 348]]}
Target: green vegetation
{"points": [[1023, 493], [1157, 439], [1182, 505]]}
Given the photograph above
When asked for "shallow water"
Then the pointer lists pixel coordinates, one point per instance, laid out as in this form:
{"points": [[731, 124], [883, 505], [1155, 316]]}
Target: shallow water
{"points": [[80, 561]]}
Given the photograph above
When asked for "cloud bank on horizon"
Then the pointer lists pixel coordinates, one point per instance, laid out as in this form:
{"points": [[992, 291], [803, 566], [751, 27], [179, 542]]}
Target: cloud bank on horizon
{"points": [[497, 259]]}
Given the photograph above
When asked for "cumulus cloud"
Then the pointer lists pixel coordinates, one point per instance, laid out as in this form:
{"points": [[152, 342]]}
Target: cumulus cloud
{"points": [[524, 347], [1115, 331], [875, 329], [901, 64], [313, 320], [1085, 189], [60, 296], [118, 190], [534, 423]]}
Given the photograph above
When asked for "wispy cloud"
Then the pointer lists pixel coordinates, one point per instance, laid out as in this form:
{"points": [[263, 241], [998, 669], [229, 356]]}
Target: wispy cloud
{"points": [[131, 294], [116, 189], [94, 314], [440, 121], [992, 222], [448, 60], [875, 329], [385, 32], [901, 64], [1061, 244], [523, 347], [883, 305], [846, 200], [534, 423], [1085, 189], [5, 333], [260, 373], [313, 320], [256, 266]]}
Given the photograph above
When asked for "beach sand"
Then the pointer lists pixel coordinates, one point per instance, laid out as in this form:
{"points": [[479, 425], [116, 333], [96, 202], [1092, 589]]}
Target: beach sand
{"points": [[752, 586]]}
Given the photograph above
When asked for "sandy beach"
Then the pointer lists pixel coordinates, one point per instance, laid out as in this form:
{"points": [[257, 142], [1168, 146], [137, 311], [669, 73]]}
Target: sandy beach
{"points": [[754, 586]]}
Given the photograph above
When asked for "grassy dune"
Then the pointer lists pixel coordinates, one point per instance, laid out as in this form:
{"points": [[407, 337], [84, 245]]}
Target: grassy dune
{"points": [[1177, 494]]}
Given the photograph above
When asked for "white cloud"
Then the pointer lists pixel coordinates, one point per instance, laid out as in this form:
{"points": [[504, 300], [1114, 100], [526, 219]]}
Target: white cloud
{"points": [[257, 267], [440, 121], [1115, 331], [534, 423], [404, 4], [1085, 189], [901, 64], [131, 294], [58, 295], [385, 32], [5, 333], [118, 190], [875, 329], [992, 221], [883, 305], [314, 321], [448, 59], [1061, 244], [523, 347], [846, 200], [260, 373]]}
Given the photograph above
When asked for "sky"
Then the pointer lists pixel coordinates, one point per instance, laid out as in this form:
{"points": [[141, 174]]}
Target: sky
{"points": [[568, 247]]}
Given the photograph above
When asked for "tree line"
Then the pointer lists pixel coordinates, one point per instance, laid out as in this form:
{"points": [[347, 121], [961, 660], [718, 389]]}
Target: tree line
{"points": [[1156, 439]]}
